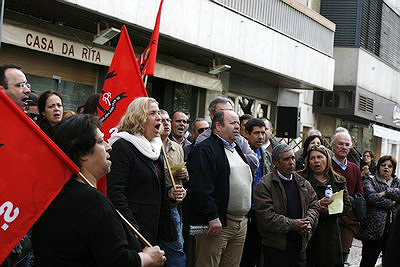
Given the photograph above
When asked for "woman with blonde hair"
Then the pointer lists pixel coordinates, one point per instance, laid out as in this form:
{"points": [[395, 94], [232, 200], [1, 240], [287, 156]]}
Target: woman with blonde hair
{"points": [[324, 248], [136, 184]]}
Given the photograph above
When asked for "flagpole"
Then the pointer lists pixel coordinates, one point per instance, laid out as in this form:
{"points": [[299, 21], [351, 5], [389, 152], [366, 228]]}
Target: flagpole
{"points": [[144, 240], [145, 81], [168, 167]]}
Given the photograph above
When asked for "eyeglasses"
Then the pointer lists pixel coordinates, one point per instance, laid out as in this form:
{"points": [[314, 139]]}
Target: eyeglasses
{"points": [[201, 130], [24, 84]]}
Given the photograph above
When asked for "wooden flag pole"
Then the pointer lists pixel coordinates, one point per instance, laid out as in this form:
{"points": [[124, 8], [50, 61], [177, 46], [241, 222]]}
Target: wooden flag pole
{"points": [[168, 167], [145, 80], [144, 240]]}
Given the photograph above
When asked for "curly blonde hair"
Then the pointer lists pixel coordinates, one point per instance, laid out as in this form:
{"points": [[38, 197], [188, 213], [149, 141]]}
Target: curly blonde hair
{"points": [[135, 117]]}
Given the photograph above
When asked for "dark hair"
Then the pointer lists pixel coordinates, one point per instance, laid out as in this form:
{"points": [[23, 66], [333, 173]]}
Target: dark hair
{"points": [[80, 109], [91, 104], [76, 136], [254, 123], [218, 117], [370, 153], [3, 68], [174, 113], [42, 122], [307, 144], [384, 158], [245, 117]]}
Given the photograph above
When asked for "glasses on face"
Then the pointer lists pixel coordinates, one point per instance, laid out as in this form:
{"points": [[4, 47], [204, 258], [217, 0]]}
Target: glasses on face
{"points": [[166, 120], [201, 130], [23, 84]]}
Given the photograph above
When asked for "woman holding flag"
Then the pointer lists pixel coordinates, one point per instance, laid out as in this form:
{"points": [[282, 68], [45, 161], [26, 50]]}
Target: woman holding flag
{"points": [[81, 227], [136, 184]]}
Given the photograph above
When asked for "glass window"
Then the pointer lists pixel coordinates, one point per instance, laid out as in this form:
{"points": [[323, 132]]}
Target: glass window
{"points": [[74, 94]]}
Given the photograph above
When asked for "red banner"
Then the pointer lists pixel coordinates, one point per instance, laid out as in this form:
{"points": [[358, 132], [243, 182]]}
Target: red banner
{"points": [[147, 60], [33, 171], [122, 85]]}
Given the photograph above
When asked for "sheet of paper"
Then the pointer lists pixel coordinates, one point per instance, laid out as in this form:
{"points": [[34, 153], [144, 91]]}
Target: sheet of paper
{"points": [[337, 205], [178, 166]]}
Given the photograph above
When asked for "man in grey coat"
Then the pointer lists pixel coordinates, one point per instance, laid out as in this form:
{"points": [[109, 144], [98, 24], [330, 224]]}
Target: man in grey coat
{"points": [[287, 210]]}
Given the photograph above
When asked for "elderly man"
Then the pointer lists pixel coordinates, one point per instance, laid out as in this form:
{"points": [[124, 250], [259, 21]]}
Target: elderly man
{"points": [[286, 210], [222, 103], [220, 193], [15, 85], [341, 144]]}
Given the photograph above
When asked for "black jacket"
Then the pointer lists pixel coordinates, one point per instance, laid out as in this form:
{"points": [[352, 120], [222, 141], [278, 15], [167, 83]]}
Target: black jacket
{"points": [[209, 171], [136, 191]]}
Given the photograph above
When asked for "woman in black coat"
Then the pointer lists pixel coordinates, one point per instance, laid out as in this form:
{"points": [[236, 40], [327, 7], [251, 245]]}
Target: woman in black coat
{"points": [[382, 194], [325, 246], [136, 184], [81, 227]]}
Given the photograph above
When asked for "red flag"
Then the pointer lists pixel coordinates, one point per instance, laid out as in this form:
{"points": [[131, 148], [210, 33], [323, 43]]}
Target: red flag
{"points": [[33, 171], [147, 60], [122, 85]]}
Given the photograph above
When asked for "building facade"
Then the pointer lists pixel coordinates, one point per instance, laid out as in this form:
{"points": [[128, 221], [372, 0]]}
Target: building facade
{"points": [[366, 95], [276, 49]]}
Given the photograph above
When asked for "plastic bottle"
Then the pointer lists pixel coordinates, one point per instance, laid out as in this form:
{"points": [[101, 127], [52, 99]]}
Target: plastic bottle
{"points": [[328, 191]]}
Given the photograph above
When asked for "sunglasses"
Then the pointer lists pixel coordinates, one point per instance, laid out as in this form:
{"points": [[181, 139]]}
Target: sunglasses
{"points": [[201, 130]]}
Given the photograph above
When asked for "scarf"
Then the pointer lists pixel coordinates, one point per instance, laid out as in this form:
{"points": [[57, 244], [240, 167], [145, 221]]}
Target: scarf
{"points": [[150, 149]]}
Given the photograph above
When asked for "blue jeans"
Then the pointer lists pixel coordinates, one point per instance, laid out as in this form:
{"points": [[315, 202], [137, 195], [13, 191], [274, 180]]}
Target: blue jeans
{"points": [[174, 250]]}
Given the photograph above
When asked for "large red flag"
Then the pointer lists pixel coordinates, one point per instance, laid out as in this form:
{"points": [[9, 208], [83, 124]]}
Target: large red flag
{"points": [[122, 85], [33, 171], [147, 60]]}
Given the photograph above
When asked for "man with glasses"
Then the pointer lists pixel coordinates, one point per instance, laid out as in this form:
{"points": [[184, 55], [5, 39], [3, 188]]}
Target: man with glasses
{"points": [[179, 127], [15, 85], [341, 144]]}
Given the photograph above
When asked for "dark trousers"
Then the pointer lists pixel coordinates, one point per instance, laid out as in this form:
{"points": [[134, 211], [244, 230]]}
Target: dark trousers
{"points": [[371, 250], [252, 251], [292, 257]]}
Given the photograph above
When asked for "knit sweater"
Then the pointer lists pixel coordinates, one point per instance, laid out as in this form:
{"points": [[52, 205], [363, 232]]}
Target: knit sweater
{"points": [[352, 175]]}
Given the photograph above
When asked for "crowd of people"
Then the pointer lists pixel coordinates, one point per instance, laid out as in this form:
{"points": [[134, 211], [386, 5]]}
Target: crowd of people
{"points": [[225, 194]]}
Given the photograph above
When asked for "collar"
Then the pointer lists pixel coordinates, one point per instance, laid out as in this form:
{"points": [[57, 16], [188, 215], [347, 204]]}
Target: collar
{"points": [[341, 165], [230, 147], [284, 177], [266, 145], [169, 146], [382, 180]]}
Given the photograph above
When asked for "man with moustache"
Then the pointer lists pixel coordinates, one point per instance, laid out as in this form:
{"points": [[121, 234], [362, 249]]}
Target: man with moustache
{"points": [[255, 134], [220, 193], [14, 83], [287, 210]]}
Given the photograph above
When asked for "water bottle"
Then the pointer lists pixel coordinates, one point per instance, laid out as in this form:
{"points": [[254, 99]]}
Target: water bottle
{"points": [[328, 191]]}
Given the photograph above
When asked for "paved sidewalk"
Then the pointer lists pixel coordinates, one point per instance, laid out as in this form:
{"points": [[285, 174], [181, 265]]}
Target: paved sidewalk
{"points": [[355, 255]]}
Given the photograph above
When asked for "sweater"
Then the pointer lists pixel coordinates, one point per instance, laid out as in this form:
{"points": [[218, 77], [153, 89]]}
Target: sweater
{"points": [[352, 175]]}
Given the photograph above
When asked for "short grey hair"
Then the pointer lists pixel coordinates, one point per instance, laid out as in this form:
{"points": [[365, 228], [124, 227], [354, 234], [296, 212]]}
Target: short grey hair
{"points": [[163, 112], [218, 100], [341, 130], [278, 150], [267, 121], [333, 141], [218, 117]]}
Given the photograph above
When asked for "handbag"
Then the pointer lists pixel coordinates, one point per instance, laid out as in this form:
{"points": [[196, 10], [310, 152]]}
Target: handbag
{"points": [[359, 207]]}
